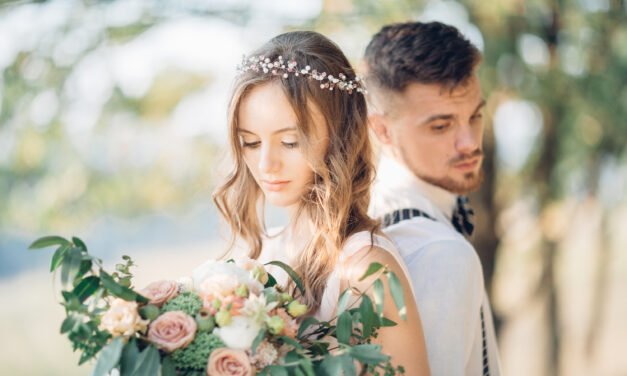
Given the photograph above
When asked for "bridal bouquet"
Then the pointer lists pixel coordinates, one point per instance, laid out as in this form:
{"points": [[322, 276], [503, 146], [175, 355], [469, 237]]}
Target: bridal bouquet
{"points": [[230, 318]]}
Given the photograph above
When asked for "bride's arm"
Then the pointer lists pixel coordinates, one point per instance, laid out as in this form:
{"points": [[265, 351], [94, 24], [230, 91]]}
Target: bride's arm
{"points": [[404, 342]]}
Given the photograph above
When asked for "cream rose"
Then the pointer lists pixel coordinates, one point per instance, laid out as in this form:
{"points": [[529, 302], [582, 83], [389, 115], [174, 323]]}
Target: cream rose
{"points": [[229, 362], [239, 333], [122, 319], [172, 330], [160, 292]]}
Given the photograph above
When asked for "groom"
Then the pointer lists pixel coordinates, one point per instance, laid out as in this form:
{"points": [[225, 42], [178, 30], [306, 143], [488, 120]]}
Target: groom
{"points": [[426, 111]]}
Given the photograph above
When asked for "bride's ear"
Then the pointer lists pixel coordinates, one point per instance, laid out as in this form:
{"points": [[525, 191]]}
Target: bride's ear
{"points": [[380, 128]]}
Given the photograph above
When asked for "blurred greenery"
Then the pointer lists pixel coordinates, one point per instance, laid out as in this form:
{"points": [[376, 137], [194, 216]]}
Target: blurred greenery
{"points": [[95, 123]]}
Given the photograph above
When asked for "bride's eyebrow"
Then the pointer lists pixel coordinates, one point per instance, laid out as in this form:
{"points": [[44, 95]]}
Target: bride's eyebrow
{"points": [[287, 129]]}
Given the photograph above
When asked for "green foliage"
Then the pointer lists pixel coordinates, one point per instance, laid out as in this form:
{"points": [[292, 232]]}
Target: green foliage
{"points": [[194, 357], [187, 302], [85, 283]]}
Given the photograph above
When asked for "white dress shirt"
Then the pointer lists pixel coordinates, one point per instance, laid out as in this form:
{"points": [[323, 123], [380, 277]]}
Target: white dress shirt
{"points": [[445, 272]]}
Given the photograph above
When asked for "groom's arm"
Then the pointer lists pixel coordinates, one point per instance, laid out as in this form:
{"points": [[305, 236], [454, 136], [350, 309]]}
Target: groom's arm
{"points": [[448, 284]]}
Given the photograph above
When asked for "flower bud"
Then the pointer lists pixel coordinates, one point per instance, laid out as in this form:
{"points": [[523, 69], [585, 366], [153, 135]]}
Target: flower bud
{"points": [[295, 308], [204, 322], [275, 324], [242, 291], [149, 312], [260, 274], [223, 318], [285, 298]]}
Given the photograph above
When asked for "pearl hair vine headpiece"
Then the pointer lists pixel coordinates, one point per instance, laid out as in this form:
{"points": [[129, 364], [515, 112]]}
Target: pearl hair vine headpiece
{"points": [[284, 69]]}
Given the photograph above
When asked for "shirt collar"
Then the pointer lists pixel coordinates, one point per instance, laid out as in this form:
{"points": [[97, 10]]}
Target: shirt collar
{"points": [[396, 187]]}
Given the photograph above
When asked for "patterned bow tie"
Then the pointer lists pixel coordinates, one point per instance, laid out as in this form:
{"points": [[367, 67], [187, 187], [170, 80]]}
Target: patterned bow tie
{"points": [[462, 217]]}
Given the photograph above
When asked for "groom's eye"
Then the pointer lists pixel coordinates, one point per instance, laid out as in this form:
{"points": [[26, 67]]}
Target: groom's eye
{"points": [[439, 127]]}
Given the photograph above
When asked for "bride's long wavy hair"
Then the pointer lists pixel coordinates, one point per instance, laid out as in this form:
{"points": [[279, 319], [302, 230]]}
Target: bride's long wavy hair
{"points": [[336, 202]]}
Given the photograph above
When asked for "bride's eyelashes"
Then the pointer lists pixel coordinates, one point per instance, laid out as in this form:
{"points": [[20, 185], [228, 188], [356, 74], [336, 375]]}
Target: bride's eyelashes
{"points": [[255, 144], [251, 145], [290, 145]]}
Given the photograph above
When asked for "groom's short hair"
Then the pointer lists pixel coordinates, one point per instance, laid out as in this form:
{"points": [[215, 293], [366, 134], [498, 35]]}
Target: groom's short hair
{"points": [[414, 52]]}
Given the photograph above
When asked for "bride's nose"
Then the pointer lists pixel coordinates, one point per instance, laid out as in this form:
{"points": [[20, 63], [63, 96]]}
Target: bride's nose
{"points": [[269, 160]]}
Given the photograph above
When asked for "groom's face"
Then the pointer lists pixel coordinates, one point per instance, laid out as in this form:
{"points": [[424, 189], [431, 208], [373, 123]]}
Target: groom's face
{"points": [[438, 133]]}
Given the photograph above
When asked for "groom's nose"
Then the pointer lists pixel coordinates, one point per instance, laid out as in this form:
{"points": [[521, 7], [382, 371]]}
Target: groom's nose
{"points": [[467, 139]]}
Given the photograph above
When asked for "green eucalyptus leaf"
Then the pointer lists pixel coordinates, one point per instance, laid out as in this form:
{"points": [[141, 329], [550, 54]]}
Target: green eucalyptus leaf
{"points": [[292, 342], [344, 328], [260, 336], [332, 365], [71, 265], [148, 362], [271, 281], [79, 243], [48, 241], [378, 294], [396, 290], [130, 353], [86, 287], [368, 354], [372, 268], [120, 291], [109, 357], [343, 301], [57, 257], [385, 322], [348, 366], [293, 275], [275, 371], [68, 324], [167, 367], [368, 316]]}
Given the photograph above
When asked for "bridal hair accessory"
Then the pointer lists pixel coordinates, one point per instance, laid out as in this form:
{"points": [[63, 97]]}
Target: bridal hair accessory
{"points": [[284, 69]]}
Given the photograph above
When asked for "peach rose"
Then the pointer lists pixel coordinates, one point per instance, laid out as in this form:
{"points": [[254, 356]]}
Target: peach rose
{"points": [[160, 292], [122, 319], [172, 330], [229, 362]]}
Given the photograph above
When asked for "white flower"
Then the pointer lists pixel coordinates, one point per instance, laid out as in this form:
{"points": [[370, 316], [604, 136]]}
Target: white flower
{"points": [[218, 285], [257, 308], [215, 270], [186, 283], [122, 319], [240, 333]]}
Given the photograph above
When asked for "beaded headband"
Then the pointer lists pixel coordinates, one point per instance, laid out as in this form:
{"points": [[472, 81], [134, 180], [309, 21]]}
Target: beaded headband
{"points": [[279, 67]]}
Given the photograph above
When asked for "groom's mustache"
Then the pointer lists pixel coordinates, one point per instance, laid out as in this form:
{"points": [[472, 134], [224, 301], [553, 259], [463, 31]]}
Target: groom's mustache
{"points": [[463, 158]]}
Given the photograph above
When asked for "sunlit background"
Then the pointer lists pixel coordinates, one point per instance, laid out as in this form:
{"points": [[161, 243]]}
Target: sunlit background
{"points": [[112, 128]]}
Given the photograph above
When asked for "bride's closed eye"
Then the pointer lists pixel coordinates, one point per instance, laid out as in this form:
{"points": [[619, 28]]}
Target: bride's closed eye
{"points": [[290, 145], [250, 145]]}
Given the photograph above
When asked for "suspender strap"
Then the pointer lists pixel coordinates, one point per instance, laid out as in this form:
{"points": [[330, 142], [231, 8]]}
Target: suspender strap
{"points": [[402, 215]]}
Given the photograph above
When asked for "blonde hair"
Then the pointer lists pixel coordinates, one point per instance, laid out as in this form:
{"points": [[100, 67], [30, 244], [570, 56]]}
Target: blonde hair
{"points": [[336, 202]]}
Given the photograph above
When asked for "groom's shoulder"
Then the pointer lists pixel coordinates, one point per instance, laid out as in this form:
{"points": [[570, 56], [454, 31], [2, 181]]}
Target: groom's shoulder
{"points": [[424, 241]]}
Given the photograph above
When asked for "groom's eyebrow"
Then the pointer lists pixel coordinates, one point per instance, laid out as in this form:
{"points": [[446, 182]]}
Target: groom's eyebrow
{"points": [[287, 129], [451, 116]]}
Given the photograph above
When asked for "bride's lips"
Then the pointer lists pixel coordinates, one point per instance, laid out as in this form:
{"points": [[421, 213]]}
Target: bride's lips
{"points": [[274, 185]]}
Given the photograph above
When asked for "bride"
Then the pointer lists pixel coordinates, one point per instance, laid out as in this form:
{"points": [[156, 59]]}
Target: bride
{"points": [[298, 136]]}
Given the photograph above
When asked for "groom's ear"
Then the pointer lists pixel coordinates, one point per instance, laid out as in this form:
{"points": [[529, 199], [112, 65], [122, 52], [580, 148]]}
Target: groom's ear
{"points": [[380, 128]]}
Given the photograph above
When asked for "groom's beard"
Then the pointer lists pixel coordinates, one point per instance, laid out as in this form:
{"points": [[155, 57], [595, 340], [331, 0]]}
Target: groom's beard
{"points": [[469, 182]]}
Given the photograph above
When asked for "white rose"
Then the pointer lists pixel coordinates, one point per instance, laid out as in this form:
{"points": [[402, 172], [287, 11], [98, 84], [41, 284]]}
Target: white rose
{"points": [[240, 333], [219, 285], [212, 268], [122, 319], [187, 283]]}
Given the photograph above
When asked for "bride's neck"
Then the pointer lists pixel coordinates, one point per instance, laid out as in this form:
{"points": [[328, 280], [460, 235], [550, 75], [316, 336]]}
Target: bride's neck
{"points": [[297, 234]]}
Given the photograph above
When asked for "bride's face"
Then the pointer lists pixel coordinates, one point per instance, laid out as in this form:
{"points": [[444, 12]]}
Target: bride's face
{"points": [[271, 145]]}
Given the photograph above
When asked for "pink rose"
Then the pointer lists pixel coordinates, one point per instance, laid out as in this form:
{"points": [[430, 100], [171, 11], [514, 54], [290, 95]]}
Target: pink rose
{"points": [[172, 330], [160, 292], [229, 362]]}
